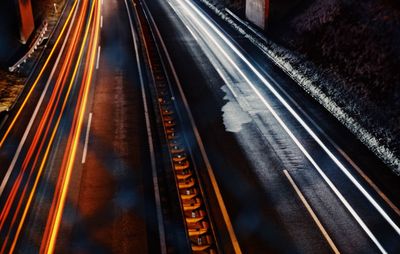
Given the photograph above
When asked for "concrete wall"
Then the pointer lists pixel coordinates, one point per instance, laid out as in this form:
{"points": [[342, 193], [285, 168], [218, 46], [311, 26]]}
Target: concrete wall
{"points": [[257, 11]]}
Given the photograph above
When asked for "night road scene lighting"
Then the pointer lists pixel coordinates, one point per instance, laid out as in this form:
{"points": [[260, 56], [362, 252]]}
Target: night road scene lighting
{"points": [[199, 126]]}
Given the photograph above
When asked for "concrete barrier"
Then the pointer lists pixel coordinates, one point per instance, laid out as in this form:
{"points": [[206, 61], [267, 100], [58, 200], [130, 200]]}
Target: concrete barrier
{"points": [[257, 11]]}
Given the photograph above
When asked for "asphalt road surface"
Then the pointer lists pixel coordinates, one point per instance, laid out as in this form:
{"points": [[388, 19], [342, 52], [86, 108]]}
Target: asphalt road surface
{"points": [[76, 162], [264, 134], [111, 212]]}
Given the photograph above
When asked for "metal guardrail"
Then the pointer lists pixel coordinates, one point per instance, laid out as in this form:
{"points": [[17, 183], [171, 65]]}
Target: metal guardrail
{"points": [[40, 37]]}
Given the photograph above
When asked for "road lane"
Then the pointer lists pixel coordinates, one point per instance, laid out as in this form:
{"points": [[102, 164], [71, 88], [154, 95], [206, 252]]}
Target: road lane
{"points": [[21, 203], [377, 204], [81, 182], [297, 160], [110, 203], [30, 102], [258, 226], [295, 139]]}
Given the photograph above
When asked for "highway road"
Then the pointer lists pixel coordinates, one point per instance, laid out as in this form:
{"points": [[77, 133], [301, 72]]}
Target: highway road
{"points": [[41, 136], [75, 153], [111, 214], [306, 184], [85, 166]]}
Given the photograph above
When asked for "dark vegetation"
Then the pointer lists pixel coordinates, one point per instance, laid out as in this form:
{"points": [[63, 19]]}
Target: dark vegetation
{"points": [[356, 44], [43, 8]]}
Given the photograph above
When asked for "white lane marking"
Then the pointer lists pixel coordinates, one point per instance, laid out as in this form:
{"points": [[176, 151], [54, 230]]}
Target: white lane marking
{"points": [[161, 229], [301, 121], [312, 213], [101, 22], [98, 58], [28, 128], [284, 126], [210, 172], [243, 22], [190, 30], [353, 164], [85, 148]]}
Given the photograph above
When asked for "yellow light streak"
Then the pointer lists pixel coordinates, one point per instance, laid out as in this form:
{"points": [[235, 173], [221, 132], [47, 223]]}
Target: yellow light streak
{"points": [[50, 110], [34, 188], [10, 127], [50, 244]]}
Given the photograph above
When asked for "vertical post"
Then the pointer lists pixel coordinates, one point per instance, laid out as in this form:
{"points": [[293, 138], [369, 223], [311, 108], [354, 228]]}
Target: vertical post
{"points": [[266, 14], [257, 11], [27, 24]]}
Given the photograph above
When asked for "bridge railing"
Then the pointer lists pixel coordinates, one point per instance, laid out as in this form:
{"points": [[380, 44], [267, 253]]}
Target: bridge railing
{"points": [[40, 37]]}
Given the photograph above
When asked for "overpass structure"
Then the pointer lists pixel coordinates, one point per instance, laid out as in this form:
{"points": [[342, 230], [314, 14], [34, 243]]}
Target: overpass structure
{"points": [[257, 11], [26, 21], [17, 25]]}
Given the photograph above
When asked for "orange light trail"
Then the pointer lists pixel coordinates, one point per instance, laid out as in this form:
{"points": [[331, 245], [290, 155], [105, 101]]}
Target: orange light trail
{"points": [[54, 100], [65, 69], [55, 217], [42, 166], [61, 176], [21, 108]]}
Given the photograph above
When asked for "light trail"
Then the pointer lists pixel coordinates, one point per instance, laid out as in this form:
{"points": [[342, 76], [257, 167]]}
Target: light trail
{"points": [[284, 126], [46, 119], [225, 215], [42, 166], [33, 148], [332, 142], [297, 117], [54, 220], [34, 115], [33, 190], [312, 213], [11, 126]]}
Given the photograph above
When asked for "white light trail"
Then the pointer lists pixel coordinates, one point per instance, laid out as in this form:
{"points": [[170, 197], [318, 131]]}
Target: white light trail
{"points": [[284, 126]]}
